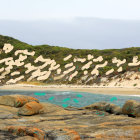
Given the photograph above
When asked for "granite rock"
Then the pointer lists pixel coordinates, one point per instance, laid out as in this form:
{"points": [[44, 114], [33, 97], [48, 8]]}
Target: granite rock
{"points": [[16, 100], [58, 123], [31, 108], [131, 108], [104, 106]]}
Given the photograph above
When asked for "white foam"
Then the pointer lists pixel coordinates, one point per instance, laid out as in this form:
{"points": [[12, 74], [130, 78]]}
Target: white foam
{"points": [[135, 95]]}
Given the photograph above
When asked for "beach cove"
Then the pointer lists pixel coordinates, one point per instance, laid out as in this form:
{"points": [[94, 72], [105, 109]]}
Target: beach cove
{"points": [[134, 91]]}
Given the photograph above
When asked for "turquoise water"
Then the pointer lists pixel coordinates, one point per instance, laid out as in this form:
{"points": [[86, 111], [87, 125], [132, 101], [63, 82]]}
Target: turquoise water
{"points": [[71, 98]]}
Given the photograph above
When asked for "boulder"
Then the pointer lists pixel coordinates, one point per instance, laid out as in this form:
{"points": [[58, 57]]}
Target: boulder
{"points": [[30, 108], [36, 133], [131, 108], [97, 106], [16, 100], [104, 106], [114, 109]]}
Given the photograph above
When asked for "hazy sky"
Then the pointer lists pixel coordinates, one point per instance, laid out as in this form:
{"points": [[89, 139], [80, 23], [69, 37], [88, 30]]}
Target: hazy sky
{"points": [[72, 23], [43, 9]]}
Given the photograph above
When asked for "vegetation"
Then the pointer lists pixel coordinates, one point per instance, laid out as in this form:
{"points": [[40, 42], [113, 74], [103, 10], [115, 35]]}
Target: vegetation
{"points": [[134, 85], [58, 53]]}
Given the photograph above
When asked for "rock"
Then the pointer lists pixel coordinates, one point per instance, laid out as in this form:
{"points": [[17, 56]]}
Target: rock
{"points": [[131, 108], [104, 106], [27, 131], [34, 133], [31, 108], [72, 108], [8, 112], [114, 109], [124, 133], [16, 100], [26, 138], [60, 124], [6, 115], [5, 135], [97, 106]]}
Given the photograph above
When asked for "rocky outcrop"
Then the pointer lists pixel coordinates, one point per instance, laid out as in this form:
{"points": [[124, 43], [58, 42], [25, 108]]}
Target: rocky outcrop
{"points": [[34, 133], [58, 123], [114, 109], [27, 105], [104, 106], [131, 108], [31, 108], [16, 100], [124, 133], [27, 131]]}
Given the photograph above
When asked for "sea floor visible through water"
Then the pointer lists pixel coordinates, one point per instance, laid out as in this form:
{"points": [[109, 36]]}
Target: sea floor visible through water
{"points": [[71, 98]]}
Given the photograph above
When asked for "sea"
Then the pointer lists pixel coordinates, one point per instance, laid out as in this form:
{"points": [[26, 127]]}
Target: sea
{"points": [[72, 98]]}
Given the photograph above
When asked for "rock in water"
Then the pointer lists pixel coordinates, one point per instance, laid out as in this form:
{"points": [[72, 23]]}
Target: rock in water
{"points": [[31, 108], [104, 106], [97, 106], [114, 109], [131, 108], [16, 100]]}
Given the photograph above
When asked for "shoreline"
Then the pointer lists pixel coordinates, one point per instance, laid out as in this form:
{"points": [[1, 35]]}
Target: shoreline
{"points": [[131, 91]]}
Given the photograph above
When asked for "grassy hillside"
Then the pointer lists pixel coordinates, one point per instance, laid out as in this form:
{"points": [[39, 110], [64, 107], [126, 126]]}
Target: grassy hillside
{"points": [[58, 53]]}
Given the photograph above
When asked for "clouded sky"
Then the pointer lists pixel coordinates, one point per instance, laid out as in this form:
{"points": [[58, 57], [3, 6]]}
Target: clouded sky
{"points": [[43, 9], [117, 19]]}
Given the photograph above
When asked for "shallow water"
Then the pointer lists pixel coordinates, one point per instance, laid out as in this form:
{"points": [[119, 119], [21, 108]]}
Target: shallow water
{"points": [[71, 98]]}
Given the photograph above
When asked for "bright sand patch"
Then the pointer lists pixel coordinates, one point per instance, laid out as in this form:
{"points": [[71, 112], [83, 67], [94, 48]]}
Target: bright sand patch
{"points": [[90, 89]]}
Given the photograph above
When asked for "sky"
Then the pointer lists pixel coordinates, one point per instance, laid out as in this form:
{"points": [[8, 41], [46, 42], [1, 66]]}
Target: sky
{"points": [[43, 9], [82, 24]]}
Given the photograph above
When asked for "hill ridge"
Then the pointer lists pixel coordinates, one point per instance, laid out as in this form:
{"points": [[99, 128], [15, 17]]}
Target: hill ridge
{"points": [[92, 65]]}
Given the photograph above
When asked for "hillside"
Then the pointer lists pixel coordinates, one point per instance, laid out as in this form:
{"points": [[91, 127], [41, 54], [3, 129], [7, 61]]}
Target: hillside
{"points": [[83, 75]]}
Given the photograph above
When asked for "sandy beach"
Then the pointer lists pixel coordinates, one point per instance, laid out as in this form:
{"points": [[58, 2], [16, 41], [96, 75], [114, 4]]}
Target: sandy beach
{"points": [[98, 90]]}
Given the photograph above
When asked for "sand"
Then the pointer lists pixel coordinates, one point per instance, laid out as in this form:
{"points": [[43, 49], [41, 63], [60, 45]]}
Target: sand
{"points": [[98, 90]]}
